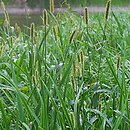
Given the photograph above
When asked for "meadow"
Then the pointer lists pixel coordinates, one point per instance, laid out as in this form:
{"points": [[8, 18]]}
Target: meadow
{"points": [[70, 73]]}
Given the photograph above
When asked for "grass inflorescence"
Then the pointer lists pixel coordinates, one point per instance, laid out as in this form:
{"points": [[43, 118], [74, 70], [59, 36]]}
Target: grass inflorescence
{"points": [[66, 75]]}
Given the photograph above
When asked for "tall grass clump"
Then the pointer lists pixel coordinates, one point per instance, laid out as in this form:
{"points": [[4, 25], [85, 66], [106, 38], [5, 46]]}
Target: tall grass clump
{"points": [[67, 74]]}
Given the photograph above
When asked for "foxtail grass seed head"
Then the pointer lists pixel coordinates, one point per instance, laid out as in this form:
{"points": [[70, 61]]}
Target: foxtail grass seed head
{"points": [[45, 17], [82, 57], [7, 20], [79, 35], [86, 16], [108, 6], [52, 6], [74, 69], [34, 79], [74, 119], [3, 6], [118, 63], [32, 31], [17, 29], [72, 36], [2, 50], [77, 70], [55, 33]]}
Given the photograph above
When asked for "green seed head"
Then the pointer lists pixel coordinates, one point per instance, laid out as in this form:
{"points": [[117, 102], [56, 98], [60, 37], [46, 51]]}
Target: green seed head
{"points": [[45, 17], [86, 16], [7, 20], [17, 28], [2, 4], [74, 69], [82, 57], [118, 62], [32, 31], [72, 36], [55, 33], [108, 6], [52, 6]]}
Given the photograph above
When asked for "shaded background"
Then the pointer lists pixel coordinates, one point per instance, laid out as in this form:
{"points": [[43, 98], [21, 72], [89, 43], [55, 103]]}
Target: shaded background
{"points": [[58, 3]]}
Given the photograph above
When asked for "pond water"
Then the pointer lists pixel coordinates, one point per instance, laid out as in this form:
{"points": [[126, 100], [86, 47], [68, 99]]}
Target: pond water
{"points": [[24, 20]]}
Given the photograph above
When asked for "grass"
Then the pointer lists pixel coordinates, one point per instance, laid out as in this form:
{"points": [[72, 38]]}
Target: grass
{"points": [[66, 74]]}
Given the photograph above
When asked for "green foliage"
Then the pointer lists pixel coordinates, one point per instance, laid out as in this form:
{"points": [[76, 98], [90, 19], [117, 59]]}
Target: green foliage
{"points": [[66, 74]]}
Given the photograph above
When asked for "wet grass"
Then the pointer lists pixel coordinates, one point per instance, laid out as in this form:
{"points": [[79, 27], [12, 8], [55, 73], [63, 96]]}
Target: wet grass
{"points": [[66, 74]]}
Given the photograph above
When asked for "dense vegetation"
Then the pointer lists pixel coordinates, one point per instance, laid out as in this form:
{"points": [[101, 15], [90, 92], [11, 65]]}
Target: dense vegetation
{"points": [[72, 72]]}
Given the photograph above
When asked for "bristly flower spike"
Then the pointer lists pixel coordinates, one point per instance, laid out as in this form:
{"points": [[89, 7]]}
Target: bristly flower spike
{"points": [[108, 6], [7, 20], [86, 15], [32, 31], [52, 6], [55, 33], [45, 17]]}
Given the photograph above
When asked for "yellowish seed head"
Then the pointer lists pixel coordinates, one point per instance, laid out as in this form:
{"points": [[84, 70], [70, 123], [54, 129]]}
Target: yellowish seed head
{"points": [[32, 31], [52, 6], [45, 17], [86, 16]]}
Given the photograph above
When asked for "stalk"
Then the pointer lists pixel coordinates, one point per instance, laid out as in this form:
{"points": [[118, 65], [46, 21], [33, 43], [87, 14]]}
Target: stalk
{"points": [[45, 97]]}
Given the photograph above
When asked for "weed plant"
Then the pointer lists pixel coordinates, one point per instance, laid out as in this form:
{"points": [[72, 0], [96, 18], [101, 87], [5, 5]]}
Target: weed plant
{"points": [[67, 74]]}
